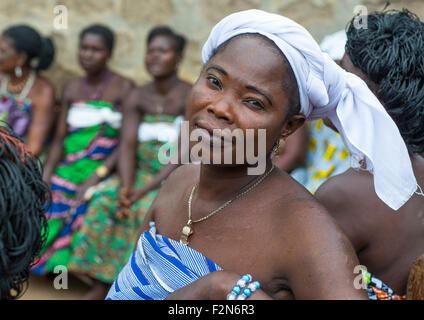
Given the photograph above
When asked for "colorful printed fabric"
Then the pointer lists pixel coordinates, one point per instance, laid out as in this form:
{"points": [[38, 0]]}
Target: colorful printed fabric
{"points": [[158, 267], [377, 289], [103, 244], [326, 156], [17, 113], [84, 150]]}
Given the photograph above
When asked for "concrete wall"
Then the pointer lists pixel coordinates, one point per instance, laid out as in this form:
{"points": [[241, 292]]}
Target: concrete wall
{"points": [[132, 19]]}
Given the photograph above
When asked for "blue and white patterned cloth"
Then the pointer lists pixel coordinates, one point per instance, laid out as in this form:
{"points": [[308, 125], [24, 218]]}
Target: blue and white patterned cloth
{"points": [[158, 267]]}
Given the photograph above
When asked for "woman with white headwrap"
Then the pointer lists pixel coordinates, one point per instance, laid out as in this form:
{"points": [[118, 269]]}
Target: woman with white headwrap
{"points": [[262, 71]]}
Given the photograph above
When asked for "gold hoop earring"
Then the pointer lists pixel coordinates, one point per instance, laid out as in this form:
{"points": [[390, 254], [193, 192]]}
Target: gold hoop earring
{"points": [[276, 149], [285, 134]]}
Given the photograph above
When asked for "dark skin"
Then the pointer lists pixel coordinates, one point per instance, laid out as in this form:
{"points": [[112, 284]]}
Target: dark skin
{"points": [[166, 94], [293, 150], [258, 234], [386, 241], [41, 94], [166, 91], [93, 55]]}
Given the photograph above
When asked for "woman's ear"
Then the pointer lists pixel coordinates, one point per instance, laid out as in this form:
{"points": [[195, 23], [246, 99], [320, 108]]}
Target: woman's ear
{"points": [[22, 58], [178, 60], [292, 125]]}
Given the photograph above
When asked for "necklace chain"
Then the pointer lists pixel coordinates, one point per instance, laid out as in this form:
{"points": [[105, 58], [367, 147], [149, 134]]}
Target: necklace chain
{"points": [[188, 230], [189, 222], [100, 87], [22, 88]]}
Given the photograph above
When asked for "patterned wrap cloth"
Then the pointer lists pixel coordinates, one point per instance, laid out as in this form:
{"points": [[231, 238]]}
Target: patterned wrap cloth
{"points": [[17, 113], [85, 149], [158, 267], [377, 289], [103, 244], [326, 156]]}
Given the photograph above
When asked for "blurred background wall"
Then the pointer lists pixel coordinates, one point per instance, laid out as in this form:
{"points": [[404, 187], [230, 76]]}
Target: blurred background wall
{"points": [[132, 19]]}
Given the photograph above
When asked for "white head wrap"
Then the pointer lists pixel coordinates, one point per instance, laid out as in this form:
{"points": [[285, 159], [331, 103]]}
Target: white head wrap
{"points": [[326, 90], [334, 44]]}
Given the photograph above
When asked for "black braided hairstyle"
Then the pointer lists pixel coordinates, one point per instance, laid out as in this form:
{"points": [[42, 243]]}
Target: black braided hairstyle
{"points": [[390, 51], [23, 201]]}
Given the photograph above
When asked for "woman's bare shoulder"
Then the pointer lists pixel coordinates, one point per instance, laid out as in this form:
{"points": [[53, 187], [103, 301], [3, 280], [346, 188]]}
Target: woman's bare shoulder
{"points": [[179, 179], [124, 81], [182, 175], [296, 206]]}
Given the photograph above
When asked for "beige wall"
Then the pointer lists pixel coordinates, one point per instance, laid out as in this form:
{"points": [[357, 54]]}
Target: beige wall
{"points": [[132, 19]]}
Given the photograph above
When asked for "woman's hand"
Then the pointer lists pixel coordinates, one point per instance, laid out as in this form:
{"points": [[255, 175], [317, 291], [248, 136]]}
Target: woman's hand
{"points": [[90, 182], [124, 203], [138, 194], [214, 286]]}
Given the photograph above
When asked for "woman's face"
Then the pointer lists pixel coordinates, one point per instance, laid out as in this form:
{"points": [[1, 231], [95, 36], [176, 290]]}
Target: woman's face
{"points": [[93, 54], [161, 57], [241, 87], [9, 57]]}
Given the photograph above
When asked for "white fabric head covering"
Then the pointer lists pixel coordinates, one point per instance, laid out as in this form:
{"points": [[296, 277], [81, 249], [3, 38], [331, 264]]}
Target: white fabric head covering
{"points": [[326, 90], [334, 44]]}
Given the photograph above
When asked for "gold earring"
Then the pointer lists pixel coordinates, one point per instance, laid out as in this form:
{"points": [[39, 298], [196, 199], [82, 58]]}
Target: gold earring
{"points": [[285, 134], [276, 149]]}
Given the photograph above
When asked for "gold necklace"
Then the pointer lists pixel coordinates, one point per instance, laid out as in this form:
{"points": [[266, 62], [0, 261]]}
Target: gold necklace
{"points": [[188, 230], [18, 87], [21, 89]]}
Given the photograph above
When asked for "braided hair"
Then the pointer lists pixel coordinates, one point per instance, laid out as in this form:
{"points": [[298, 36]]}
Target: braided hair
{"points": [[390, 51], [23, 225]]}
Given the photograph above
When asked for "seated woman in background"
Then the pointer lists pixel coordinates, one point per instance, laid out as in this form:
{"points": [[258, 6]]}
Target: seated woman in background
{"points": [[23, 199], [27, 100], [261, 71], [151, 118], [388, 56], [84, 150]]}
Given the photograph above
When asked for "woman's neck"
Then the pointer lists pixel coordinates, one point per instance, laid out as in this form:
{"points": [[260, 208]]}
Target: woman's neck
{"points": [[14, 80], [96, 77], [223, 183], [164, 85]]}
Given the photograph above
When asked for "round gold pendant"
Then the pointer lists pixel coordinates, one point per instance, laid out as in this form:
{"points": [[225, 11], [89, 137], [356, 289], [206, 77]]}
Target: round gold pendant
{"points": [[185, 234]]}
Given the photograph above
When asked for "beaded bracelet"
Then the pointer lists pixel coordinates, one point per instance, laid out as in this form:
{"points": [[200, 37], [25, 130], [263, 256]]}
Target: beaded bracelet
{"points": [[239, 292]]}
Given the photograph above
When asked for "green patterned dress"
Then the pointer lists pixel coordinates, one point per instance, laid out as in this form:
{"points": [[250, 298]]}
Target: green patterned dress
{"points": [[86, 147], [104, 243]]}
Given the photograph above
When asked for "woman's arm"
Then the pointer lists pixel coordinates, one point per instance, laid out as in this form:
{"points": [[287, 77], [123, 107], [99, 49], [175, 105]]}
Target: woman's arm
{"points": [[214, 286], [56, 148], [323, 261], [128, 140], [94, 179], [153, 184], [42, 119]]}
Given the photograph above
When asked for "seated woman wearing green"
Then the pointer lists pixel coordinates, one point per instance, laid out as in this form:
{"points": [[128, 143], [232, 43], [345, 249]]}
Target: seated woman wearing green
{"points": [[26, 98], [213, 222], [151, 118], [84, 147]]}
